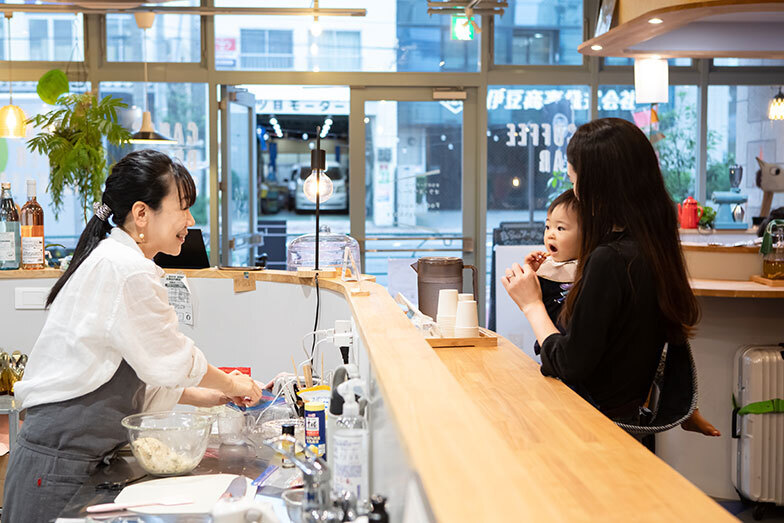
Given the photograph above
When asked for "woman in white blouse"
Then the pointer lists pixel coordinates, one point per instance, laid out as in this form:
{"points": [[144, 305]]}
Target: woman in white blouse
{"points": [[111, 345]]}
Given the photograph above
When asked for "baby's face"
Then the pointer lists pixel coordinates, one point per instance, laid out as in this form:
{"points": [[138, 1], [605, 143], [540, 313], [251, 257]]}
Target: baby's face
{"points": [[562, 234]]}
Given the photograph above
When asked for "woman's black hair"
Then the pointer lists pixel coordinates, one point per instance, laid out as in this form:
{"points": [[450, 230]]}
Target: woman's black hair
{"points": [[140, 176]]}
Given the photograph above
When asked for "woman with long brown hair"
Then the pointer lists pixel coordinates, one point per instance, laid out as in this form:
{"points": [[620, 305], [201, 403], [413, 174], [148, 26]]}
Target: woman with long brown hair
{"points": [[631, 294]]}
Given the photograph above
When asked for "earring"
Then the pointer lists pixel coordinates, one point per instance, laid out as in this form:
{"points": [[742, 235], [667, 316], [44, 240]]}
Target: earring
{"points": [[141, 237]]}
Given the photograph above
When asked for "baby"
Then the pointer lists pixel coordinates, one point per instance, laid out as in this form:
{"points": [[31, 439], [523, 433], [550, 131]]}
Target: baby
{"points": [[557, 273]]}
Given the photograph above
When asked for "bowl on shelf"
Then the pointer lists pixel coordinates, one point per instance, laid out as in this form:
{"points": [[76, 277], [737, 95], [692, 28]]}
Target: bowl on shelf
{"points": [[168, 443]]}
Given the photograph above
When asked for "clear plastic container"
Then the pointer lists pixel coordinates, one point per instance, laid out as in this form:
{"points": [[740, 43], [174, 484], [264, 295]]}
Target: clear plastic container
{"points": [[302, 250]]}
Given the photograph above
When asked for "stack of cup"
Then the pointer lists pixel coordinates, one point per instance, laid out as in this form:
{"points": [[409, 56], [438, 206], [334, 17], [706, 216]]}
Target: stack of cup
{"points": [[447, 309], [466, 319]]}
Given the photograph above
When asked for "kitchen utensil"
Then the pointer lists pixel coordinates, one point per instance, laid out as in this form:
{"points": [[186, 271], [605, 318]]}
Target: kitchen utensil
{"points": [[204, 490], [436, 273], [773, 251], [293, 499], [231, 425], [119, 485], [168, 443], [689, 213], [115, 507], [236, 489]]}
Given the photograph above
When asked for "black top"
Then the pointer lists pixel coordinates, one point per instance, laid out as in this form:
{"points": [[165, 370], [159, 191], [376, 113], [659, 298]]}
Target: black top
{"points": [[614, 339]]}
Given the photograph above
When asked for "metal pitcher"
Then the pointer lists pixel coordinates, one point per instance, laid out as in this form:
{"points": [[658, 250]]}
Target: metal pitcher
{"points": [[436, 273]]}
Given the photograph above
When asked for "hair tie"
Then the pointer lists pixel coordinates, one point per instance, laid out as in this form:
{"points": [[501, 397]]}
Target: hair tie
{"points": [[102, 211]]}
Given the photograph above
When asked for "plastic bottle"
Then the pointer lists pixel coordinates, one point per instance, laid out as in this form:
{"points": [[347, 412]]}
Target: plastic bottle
{"points": [[350, 442], [379, 513]]}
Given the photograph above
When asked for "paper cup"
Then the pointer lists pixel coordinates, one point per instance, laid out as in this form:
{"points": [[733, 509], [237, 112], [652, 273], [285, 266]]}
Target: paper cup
{"points": [[447, 302], [447, 325], [466, 332], [465, 296], [466, 314]]}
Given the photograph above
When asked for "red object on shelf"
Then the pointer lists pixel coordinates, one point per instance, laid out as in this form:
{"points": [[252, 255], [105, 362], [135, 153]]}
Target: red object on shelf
{"points": [[244, 370], [689, 213]]}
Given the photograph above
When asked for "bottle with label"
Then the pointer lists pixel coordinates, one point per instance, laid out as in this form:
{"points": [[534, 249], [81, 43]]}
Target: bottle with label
{"points": [[10, 242], [32, 231], [350, 444]]}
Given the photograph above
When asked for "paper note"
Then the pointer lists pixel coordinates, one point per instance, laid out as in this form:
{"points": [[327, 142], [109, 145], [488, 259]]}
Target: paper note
{"points": [[179, 297], [244, 283]]}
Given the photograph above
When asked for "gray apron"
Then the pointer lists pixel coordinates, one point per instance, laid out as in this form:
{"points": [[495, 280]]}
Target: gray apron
{"points": [[61, 444]]}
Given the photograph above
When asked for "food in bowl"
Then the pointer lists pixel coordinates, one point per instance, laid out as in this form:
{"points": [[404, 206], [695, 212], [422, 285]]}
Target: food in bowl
{"points": [[168, 443]]}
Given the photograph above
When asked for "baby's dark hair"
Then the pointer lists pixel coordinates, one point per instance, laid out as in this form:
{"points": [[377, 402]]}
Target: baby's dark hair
{"points": [[567, 198]]}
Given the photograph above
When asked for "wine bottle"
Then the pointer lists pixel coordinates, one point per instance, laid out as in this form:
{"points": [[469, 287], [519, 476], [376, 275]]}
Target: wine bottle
{"points": [[32, 231], [10, 241]]}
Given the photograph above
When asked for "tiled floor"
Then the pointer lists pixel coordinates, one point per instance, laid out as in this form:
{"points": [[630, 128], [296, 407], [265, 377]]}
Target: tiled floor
{"points": [[744, 512]]}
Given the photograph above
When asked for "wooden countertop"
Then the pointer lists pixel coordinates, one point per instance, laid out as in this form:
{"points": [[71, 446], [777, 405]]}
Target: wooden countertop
{"points": [[714, 288], [492, 439], [704, 247]]}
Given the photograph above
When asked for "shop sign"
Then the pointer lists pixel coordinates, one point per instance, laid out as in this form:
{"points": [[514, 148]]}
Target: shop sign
{"points": [[551, 138], [462, 29], [535, 99], [326, 107], [225, 45]]}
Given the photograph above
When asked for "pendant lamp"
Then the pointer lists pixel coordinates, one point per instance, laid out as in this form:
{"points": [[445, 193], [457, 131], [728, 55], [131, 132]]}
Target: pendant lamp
{"points": [[12, 117], [776, 109], [147, 134]]}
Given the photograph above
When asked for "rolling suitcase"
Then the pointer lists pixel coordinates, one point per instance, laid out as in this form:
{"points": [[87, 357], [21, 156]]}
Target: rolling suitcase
{"points": [[758, 426]]}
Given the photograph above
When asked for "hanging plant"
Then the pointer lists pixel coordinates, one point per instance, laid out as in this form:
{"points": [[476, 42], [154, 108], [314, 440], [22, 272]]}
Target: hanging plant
{"points": [[71, 136]]}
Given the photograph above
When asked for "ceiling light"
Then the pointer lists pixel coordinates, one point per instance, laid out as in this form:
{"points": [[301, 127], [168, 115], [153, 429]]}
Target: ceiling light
{"points": [[12, 117], [147, 134], [655, 21], [314, 49], [651, 81], [315, 27], [596, 47], [776, 108]]}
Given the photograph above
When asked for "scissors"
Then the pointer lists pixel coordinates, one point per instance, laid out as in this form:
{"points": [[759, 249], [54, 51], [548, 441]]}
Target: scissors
{"points": [[118, 485]]}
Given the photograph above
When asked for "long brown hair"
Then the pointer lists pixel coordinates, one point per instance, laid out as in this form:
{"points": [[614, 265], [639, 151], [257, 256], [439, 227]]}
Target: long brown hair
{"points": [[619, 184]]}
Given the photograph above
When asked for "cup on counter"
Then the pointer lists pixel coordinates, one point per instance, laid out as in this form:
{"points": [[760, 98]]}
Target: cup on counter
{"points": [[447, 302], [465, 296], [446, 323], [466, 320]]}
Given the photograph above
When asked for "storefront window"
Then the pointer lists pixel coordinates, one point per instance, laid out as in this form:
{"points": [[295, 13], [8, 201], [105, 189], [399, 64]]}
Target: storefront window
{"points": [[674, 62], [671, 127], [527, 133], [393, 36], [747, 62], [179, 111], [539, 32], [172, 37], [43, 37], [739, 132], [18, 164]]}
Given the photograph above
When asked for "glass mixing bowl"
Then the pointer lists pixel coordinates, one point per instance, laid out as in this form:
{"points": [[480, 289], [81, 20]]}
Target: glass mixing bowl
{"points": [[168, 443]]}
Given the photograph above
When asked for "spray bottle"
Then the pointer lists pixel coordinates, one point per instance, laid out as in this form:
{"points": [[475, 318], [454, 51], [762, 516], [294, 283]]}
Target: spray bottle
{"points": [[350, 444], [343, 373]]}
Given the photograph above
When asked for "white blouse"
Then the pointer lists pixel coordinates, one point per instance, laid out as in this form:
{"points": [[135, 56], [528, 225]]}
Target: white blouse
{"points": [[113, 307]]}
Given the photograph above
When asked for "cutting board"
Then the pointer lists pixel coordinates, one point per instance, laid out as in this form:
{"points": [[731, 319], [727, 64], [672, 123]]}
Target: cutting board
{"points": [[203, 490]]}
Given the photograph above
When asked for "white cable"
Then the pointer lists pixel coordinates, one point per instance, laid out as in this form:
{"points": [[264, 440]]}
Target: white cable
{"points": [[325, 332]]}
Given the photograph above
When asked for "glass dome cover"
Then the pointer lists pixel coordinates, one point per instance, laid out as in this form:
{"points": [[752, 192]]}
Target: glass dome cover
{"points": [[302, 250]]}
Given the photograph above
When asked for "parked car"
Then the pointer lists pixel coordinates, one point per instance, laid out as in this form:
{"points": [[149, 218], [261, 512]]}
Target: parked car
{"points": [[339, 199]]}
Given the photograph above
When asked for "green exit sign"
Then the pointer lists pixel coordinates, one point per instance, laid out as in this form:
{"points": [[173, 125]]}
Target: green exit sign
{"points": [[462, 28]]}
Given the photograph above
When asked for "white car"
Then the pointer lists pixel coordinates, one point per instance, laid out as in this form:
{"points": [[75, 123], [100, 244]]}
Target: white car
{"points": [[339, 199]]}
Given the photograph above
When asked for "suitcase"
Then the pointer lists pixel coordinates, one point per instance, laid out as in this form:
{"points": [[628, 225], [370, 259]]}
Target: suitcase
{"points": [[758, 426]]}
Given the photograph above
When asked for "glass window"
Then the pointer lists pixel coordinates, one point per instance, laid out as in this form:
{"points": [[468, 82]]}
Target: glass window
{"points": [[18, 164], [674, 62], [747, 62], [393, 36], [527, 133], [739, 131], [179, 111], [172, 37], [672, 128], [539, 32], [44, 37], [266, 49]]}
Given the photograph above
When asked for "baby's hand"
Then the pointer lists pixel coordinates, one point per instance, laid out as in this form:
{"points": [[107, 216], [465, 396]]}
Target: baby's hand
{"points": [[535, 259]]}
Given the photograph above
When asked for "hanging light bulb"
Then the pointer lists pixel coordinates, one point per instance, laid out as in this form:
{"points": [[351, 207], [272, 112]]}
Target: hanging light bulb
{"points": [[315, 27], [12, 117], [318, 185], [147, 134], [776, 108]]}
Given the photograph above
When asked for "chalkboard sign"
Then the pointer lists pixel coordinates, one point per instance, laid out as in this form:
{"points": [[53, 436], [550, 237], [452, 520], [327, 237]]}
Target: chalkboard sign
{"points": [[511, 233]]}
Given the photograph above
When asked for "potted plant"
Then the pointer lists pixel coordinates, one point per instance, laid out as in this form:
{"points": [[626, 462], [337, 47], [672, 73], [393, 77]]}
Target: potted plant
{"points": [[71, 136]]}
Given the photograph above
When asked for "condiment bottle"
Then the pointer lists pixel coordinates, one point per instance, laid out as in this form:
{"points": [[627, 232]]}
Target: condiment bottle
{"points": [[32, 231], [773, 250], [10, 239], [287, 429]]}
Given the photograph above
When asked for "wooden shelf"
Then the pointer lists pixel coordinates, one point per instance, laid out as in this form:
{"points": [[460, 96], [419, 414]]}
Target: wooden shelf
{"points": [[735, 289]]}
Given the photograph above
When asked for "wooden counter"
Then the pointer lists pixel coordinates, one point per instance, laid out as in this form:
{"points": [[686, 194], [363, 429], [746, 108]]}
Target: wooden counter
{"points": [[492, 439]]}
